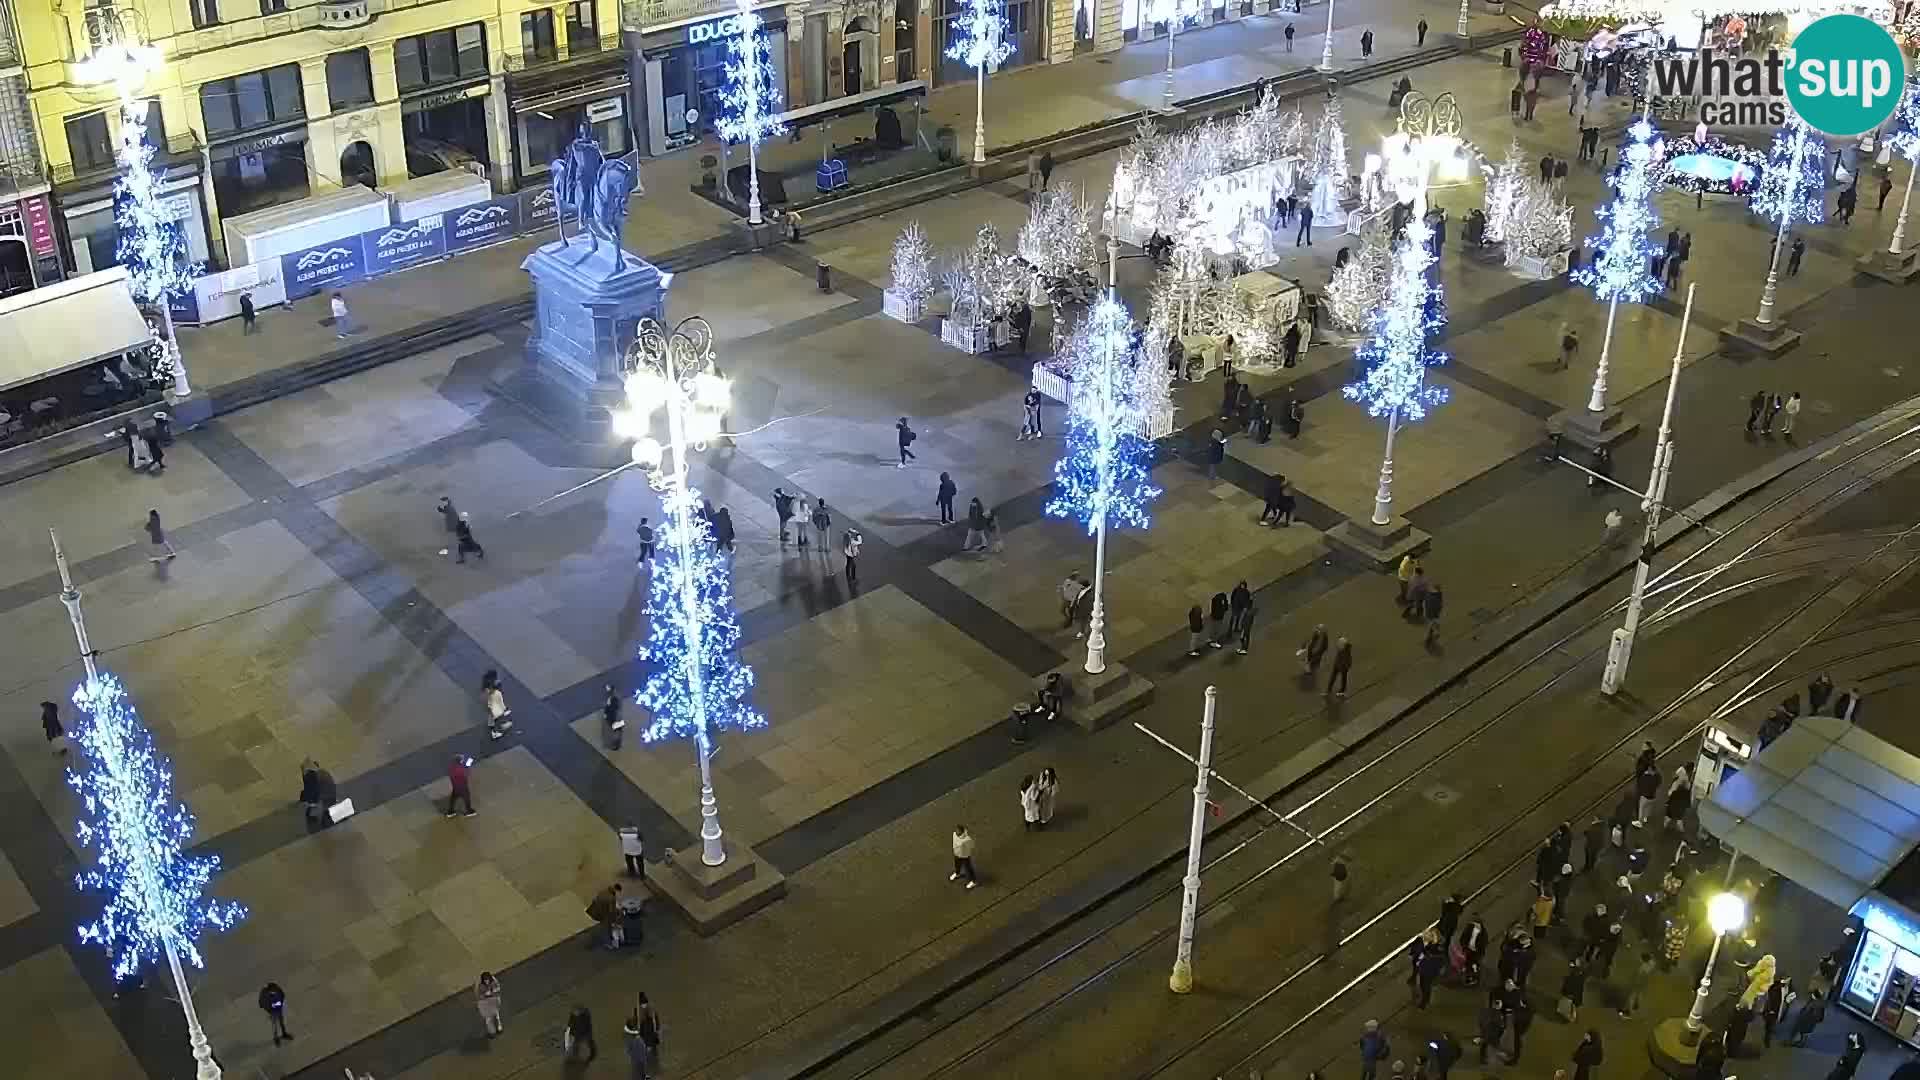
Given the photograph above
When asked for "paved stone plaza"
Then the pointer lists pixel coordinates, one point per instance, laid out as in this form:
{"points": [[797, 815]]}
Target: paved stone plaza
{"points": [[312, 612]]}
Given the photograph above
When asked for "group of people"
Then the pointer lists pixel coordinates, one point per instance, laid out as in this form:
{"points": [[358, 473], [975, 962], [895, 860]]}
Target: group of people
{"points": [[1764, 408], [1420, 599], [641, 1035], [1669, 262], [1231, 616], [1038, 796], [147, 445], [1314, 650], [788, 507]]}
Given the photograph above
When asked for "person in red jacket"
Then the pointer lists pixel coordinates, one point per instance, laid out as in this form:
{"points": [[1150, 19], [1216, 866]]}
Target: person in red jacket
{"points": [[457, 777]]}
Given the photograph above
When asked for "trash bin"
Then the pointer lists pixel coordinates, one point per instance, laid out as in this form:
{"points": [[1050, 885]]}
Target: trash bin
{"points": [[1506, 57], [823, 277], [944, 143]]}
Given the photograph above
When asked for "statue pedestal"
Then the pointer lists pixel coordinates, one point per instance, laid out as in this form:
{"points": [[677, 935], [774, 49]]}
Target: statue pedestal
{"points": [[586, 308]]}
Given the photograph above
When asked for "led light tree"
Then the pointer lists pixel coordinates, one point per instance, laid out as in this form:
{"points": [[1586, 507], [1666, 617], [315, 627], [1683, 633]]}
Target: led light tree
{"points": [[1105, 478], [1793, 187], [1905, 142], [1058, 236], [697, 685], [750, 98], [1357, 288], [1327, 164], [906, 297], [1175, 13], [136, 834], [979, 40], [1397, 356], [1503, 186], [1622, 266], [1539, 224]]}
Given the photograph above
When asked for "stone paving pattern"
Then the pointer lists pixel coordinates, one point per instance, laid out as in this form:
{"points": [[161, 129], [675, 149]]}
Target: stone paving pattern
{"points": [[328, 623]]}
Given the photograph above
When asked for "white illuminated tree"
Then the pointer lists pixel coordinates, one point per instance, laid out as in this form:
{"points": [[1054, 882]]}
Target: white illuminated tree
{"points": [[1327, 163], [1503, 186], [750, 99], [1058, 236], [1621, 268], [913, 263], [1357, 288], [1904, 141], [979, 40], [1397, 356], [1539, 223], [1793, 187]]}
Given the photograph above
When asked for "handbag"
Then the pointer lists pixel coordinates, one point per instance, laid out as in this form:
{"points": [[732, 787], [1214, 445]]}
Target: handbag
{"points": [[340, 811]]}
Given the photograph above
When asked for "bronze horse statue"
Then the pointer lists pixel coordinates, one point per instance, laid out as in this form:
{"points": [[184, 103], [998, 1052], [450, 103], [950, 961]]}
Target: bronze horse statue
{"points": [[596, 189]]}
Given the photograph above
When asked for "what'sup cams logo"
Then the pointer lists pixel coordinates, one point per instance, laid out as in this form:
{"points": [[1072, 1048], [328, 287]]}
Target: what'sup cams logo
{"points": [[1843, 76]]}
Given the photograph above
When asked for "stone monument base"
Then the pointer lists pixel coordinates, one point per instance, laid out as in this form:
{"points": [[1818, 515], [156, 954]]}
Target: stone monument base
{"points": [[1099, 700], [715, 897], [1757, 339], [1592, 430], [1382, 545], [1898, 268], [586, 306]]}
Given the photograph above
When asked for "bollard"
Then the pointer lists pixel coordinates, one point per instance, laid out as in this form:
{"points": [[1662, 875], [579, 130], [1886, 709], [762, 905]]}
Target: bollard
{"points": [[822, 277], [1022, 717], [1506, 57]]}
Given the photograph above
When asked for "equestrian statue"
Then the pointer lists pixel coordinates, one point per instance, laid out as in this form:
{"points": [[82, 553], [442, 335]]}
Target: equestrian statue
{"points": [[596, 189]]}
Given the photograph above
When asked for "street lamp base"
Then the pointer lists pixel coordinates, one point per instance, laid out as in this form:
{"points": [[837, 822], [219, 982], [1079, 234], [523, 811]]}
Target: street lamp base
{"points": [[1896, 267], [1181, 981], [1381, 545], [1097, 700], [715, 897], [1753, 338], [1672, 1047], [1592, 430]]}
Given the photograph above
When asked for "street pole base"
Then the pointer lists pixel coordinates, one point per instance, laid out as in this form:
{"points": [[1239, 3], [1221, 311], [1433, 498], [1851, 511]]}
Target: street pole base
{"points": [[1181, 981], [715, 897], [763, 235], [1592, 430], [1096, 701], [1897, 268], [1673, 1048], [1751, 338], [1382, 546]]}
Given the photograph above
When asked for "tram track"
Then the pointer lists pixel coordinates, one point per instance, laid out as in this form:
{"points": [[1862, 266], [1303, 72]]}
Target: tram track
{"points": [[1683, 591]]}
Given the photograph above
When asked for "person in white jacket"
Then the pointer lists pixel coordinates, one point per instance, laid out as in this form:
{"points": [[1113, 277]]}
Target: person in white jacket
{"points": [[1030, 803], [962, 856]]}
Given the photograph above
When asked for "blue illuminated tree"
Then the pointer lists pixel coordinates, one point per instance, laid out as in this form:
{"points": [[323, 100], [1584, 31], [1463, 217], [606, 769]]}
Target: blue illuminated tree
{"points": [[136, 833], [697, 685], [1398, 354], [1792, 188], [750, 99], [1621, 270], [1905, 142], [977, 37], [1105, 477], [149, 244]]}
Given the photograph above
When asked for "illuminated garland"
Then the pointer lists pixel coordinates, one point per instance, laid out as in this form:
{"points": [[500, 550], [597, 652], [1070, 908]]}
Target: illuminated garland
{"points": [[1904, 140], [137, 833]]}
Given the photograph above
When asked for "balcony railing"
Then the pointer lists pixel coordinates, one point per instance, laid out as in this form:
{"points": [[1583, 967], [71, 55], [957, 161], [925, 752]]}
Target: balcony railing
{"points": [[10, 55]]}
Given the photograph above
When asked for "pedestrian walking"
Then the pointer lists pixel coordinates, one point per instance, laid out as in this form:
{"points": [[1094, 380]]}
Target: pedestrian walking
{"points": [[1374, 1048], [942, 498], [486, 997], [1592, 839], [1030, 802], [1755, 406], [459, 790], [1030, 421], [1049, 794], [1219, 609], [1239, 603], [493, 698], [1772, 1008], [1196, 630], [1679, 800], [1809, 1017], [604, 909], [1436, 603], [1886, 188], [1216, 453], [51, 727], [1366, 42], [1532, 100], [1311, 652], [1033, 170], [963, 856], [464, 541], [1070, 587], [633, 851], [1246, 631], [851, 548], [1774, 404], [1416, 601], [157, 534], [1849, 1060], [273, 1002], [1342, 665], [1519, 1019], [1845, 204], [976, 538], [1420, 34], [1472, 946], [1432, 961], [1492, 1026], [635, 1048], [449, 516], [822, 521], [1289, 36], [1673, 270], [1794, 256], [1790, 414], [1404, 572], [342, 321], [904, 435], [1569, 346], [1587, 1056], [651, 1028], [1046, 169], [645, 532], [783, 509], [723, 534], [1305, 235], [579, 1033], [248, 315]]}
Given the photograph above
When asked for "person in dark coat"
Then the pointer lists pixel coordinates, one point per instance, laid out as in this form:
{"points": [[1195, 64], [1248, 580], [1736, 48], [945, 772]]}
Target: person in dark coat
{"points": [[942, 497], [1473, 945], [1772, 1008], [1218, 610], [1196, 629], [1573, 989], [580, 1033], [1434, 604], [1492, 1025], [1519, 1019], [51, 727], [1710, 1061], [1342, 667], [464, 541], [1591, 838], [1449, 921], [1587, 1056], [1239, 603], [1849, 1061], [1737, 1025], [1809, 1017]]}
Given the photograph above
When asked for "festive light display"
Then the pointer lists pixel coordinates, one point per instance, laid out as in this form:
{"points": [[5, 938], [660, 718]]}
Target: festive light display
{"points": [[1711, 165], [1539, 224], [1793, 184], [1105, 477], [1534, 47], [1398, 354], [750, 97], [149, 243], [1057, 239], [697, 685], [978, 35], [1357, 288], [1503, 186], [913, 263], [1904, 138], [137, 834], [1621, 268], [1328, 159]]}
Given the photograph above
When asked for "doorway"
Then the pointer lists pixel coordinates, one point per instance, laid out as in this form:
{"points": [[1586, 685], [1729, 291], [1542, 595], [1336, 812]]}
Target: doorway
{"points": [[1085, 12], [356, 164], [858, 44]]}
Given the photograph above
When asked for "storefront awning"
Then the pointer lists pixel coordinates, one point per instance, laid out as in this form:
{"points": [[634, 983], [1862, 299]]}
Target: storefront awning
{"points": [[1826, 805], [59, 327]]}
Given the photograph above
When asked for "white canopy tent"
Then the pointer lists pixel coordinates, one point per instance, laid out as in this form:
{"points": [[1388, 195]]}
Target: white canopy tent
{"points": [[59, 327]]}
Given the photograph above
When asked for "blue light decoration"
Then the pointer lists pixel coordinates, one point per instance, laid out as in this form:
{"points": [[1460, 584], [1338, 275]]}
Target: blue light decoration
{"points": [[1621, 270], [1904, 140], [750, 98], [137, 834], [1105, 477], [697, 684], [1793, 184], [149, 242], [978, 35], [1397, 355]]}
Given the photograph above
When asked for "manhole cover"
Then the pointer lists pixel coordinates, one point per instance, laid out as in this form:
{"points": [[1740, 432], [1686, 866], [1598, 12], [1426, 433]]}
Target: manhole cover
{"points": [[1441, 795]]}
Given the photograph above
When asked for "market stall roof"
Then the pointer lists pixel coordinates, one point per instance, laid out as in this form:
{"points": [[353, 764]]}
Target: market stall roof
{"points": [[1827, 805], [56, 328]]}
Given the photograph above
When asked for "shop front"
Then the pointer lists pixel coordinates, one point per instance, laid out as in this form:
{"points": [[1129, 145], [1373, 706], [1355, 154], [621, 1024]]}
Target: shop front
{"points": [[260, 169], [93, 234], [445, 129], [680, 68], [29, 249], [550, 104], [1026, 32]]}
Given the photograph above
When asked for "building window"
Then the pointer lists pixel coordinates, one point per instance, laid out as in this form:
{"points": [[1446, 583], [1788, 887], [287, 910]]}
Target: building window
{"points": [[583, 30], [205, 13], [252, 101], [1019, 34], [349, 79], [272, 7], [906, 25], [156, 130], [89, 143], [440, 57], [536, 36]]}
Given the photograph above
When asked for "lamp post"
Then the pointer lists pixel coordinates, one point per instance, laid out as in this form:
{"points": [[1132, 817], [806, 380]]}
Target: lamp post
{"points": [[1460, 27], [1904, 142], [674, 370], [1726, 913], [141, 866], [1770, 289], [750, 97], [980, 42], [1326, 43], [1620, 647], [1181, 980]]}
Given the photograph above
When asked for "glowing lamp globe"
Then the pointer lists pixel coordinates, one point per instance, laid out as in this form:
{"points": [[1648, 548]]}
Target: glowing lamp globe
{"points": [[712, 391], [1726, 913], [629, 424], [647, 452], [646, 391]]}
